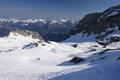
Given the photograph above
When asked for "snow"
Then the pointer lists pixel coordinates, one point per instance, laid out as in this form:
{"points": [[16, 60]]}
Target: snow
{"points": [[63, 20], [50, 61], [53, 22], [115, 32], [14, 20], [80, 38], [42, 20], [28, 21], [102, 72], [113, 13]]}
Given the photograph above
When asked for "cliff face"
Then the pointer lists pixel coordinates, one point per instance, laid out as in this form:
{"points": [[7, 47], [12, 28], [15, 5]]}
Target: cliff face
{"points": [[99, 24]]}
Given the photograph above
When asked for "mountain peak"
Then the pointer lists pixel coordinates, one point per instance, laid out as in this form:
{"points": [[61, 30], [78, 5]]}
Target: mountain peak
{"points": [[25, 34], [99, 23]]}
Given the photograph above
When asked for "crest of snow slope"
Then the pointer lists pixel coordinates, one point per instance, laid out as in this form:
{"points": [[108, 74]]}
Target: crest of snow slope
{"points": [[34, 21], [15, 39], [14, 20], [25, 21]]}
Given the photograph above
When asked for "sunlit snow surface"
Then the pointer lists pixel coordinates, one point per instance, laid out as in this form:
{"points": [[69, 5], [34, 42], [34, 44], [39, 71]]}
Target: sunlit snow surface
{"points": [[50, 61]]}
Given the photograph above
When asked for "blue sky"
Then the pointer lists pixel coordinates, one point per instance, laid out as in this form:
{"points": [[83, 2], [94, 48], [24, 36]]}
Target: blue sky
{"points": [[52, 9]]}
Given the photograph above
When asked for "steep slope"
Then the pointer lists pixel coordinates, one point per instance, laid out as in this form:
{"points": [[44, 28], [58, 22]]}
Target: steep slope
{"points": [[99, 24]]}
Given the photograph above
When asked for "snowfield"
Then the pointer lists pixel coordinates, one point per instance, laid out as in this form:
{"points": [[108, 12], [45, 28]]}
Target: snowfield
{"points": [[24, 58]]}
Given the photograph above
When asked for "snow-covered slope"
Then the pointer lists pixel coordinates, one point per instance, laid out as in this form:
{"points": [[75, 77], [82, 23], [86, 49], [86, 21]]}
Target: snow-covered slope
{"points": [[25, 58], [80, 38], [18, 63]]}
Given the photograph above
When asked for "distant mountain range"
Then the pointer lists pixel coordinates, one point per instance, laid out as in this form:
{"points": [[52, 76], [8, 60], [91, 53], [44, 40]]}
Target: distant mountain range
{"points": [[54, 30], [94, 25]]}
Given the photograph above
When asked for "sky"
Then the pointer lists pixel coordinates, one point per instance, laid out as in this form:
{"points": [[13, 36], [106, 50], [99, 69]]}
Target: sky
{"points": [[52, 9]]}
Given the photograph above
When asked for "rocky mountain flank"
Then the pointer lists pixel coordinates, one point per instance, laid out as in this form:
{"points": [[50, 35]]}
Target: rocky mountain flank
{"points": [[99, 24]]}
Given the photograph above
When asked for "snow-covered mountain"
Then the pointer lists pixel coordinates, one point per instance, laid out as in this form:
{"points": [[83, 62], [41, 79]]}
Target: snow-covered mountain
{"points": [[54, 30], [100, 24], [25, 58], [26, 55]]}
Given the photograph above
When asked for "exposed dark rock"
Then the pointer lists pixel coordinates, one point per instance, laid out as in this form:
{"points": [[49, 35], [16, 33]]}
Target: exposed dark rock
{"points": [[31, 45], [106, 50], [100, 24], [115, 38], [43, 44], [9, 50], [102, 58], [47, 41], [92, 61], [76, 60], [118, 59], [74, 45], [103, 43], [38, 59], [95, 46], [40, 41]]}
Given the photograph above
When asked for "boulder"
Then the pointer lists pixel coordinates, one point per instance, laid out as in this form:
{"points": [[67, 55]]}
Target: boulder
{"points": [[31, 45], [115, 38], [76, 60]]}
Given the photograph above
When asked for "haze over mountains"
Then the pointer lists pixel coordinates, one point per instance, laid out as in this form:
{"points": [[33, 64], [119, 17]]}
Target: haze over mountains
{"points": [[54, 30]]}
